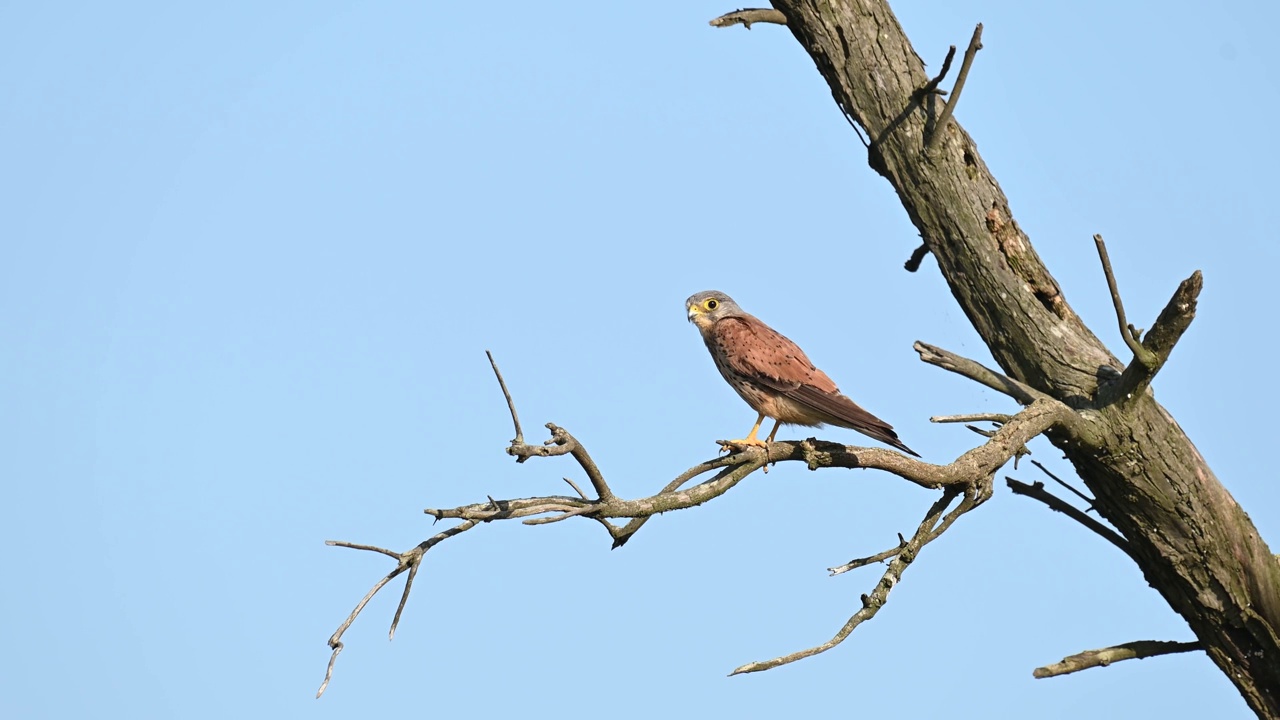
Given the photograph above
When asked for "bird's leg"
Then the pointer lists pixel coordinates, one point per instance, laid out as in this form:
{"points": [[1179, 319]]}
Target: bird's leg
{"points": [[776, 425], [751, 438]]}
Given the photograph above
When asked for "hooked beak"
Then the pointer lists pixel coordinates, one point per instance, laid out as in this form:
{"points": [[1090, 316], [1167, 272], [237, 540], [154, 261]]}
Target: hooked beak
{"points": [[693, 311]]}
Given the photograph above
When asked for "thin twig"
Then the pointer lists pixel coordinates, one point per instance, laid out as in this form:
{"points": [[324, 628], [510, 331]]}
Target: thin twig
{"points": [[932, 86], [574, 485], [856, 563], [980, 431], [1064, 484], [1023, 393], [1136, 650], [404, 598], [519, 439], [1037, 491], [749, 16], [1140, 353], [972, 417], [930, 529], [564, 515], [998, 418], [404, 561], [335, 642], [940, 127], [358, 546]]}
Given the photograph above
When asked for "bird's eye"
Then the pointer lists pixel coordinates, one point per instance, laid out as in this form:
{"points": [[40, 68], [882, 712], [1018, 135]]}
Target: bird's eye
{"points": [[712, 304]]}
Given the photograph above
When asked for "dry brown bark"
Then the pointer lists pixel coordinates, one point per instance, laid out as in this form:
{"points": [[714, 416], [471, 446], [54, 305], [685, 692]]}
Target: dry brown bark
{"points": [[1194, 544]]}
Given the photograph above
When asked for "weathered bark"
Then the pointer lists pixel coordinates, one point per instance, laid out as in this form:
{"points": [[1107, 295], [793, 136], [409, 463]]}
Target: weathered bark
{"points": [[1194, 544]]}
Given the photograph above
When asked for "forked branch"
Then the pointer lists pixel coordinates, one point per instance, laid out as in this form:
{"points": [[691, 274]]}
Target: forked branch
{"points": [[932, 527], [1149, 355], [969, 476], [1037, 491], [409, 560], [931, 87]]}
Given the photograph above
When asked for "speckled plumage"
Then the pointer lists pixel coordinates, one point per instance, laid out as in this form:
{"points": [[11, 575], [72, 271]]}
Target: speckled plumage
{"points": [[773, 375]]}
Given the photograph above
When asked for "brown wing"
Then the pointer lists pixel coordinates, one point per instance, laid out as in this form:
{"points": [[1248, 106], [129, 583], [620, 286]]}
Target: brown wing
{"points": [[765, 355], [842, 411]]}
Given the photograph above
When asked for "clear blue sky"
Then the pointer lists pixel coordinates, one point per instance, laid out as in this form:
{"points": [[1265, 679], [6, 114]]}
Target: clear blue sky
{"points": [[253, 254]]}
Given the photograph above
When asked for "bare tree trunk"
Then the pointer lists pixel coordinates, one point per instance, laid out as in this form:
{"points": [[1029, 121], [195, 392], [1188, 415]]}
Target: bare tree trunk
{"points": [[1195, 545]]}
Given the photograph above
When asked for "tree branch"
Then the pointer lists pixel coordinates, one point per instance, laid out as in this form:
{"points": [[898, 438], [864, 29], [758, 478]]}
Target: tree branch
{"points": [[1168, 329], [1136, 650], [409, 560], [623, 534], [917, 256], [940, 127], [1132, 337], [1001, 418], [515, 419], [1036, 491], [1065, 484], [738, 467], [928, 531], [856, 563], [749, 16], [971, 475], [1023, 393], [562, 442], [932, 86]]}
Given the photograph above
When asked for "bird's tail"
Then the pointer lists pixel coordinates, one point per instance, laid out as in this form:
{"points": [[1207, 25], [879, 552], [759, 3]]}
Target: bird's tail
{"points": [[840, 410]]}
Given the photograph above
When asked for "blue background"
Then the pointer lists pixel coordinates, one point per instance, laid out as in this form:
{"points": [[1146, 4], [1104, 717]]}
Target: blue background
{"points": [[253, 253]]}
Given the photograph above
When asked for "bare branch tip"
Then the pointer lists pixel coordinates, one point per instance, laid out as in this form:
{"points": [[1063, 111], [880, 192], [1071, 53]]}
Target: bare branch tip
{"points": [[1141, 354], [917, 256], [1037, 491], [328, 672], [515, 419], [360, 546], [980, 431], [1137, 650], [577, 489], [975, 44], [998, 418], [748, 17], [1023, 393], [1064, 483], [932, 86], [404, 597]]}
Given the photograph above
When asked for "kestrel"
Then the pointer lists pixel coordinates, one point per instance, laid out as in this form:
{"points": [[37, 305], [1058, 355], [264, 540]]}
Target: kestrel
{"points": [[774, 375]]}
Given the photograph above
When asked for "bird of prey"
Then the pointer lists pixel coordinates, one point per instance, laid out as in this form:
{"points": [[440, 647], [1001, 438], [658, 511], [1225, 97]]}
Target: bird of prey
{"points": [[774, 375]]}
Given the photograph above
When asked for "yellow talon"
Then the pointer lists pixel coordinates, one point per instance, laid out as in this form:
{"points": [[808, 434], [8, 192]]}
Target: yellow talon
{"points": [[751, 440]]}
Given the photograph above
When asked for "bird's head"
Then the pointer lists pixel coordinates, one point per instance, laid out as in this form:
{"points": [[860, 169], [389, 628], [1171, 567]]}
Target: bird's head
{"points": [[708, 306]]}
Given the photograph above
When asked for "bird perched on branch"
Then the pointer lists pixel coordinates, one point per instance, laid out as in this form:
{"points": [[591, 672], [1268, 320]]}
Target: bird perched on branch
{"points": [[774, 375]]}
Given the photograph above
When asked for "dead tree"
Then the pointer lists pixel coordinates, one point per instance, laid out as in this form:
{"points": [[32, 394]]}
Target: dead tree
{"points": [[1191, 540]]}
